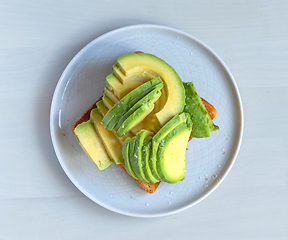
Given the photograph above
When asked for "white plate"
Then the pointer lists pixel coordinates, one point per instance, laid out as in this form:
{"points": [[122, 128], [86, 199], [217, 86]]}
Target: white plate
{"points": [[82, 83]]}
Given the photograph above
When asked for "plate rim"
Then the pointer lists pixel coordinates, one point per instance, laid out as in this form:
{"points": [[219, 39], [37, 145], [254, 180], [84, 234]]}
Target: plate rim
{"points": [[127, 28]]}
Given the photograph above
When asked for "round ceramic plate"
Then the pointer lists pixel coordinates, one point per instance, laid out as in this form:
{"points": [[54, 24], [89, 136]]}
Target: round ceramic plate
{"points": [[207, 160]]}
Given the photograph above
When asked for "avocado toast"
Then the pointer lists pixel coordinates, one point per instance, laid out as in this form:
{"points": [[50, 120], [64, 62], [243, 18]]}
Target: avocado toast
{"points": [[150, 123]]}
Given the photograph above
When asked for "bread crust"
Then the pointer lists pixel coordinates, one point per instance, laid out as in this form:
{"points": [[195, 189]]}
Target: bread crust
{"points": [[211, 110]]}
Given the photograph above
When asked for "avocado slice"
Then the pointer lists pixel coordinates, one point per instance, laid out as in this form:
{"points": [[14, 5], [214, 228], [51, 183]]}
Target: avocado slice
{"points": [[107, 101], [118, 74], [137, 162], [146, 151], [109, 93], [90, 142], [131, 156], [103, 110], [202, 123], [135, 118], [152, 96], [172, 102], [146, 124], [171, 153], [160, 135], [111, 143], [149, 122], [112, 117], [126, 156], [138, 74], [127, 147], [120, 90]]}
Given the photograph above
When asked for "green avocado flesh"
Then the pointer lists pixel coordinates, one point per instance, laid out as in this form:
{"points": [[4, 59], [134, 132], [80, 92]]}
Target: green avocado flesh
{"points": [[161, 134], [107, 101], [126, 156], [131, 157], [152, 96], [109, 140], [136, 160], [146, 151], [132, 82], [173, 97], [112, 117], [171, 153], [135, 118], [202, 123], [111, 95], [102, 108], [168, 153], [90, 142], [117, 72]]}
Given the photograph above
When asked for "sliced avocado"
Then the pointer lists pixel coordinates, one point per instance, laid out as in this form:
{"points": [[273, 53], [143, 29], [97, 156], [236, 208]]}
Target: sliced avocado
{"points": [[90, 142], [136, 160], [107, 102], [149, 123], [141, 75], [202, 123], [103, 110], [160, 135], [111, 143], [110, 94], [171, 153], [139, 126], [112, 117], [146, 124], [152, 96], [122, 139], [134, 81], [126, 156], [158, 104], [173, 100], [146, 151], [135, 118], [112, 83], [118, 74], [127, 147]]}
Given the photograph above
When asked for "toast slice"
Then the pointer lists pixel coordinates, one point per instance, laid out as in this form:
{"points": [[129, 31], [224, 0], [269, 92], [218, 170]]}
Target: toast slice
{"points": [[211, 110], [148, 187]]}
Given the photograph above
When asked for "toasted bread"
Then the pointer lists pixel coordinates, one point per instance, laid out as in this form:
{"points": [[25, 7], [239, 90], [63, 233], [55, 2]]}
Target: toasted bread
{"points": [[148, 187], [210, 109]]}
